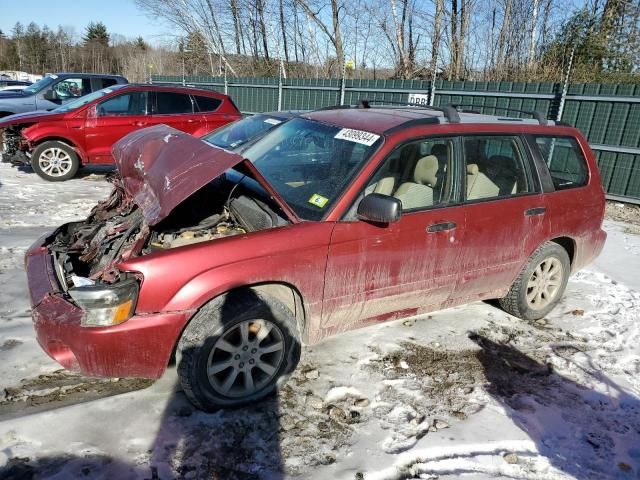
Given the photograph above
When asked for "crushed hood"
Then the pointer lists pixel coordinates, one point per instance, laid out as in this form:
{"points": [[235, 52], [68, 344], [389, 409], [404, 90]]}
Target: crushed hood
{"points": [[161, 167]]}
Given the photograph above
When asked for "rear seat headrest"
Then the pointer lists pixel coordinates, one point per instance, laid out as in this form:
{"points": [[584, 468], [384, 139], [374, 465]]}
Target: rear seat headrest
{"points": [[472, 169]]}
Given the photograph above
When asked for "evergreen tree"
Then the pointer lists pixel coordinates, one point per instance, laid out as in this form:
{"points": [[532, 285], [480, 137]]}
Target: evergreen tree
{"points": [[140, 44], [96, 32]]}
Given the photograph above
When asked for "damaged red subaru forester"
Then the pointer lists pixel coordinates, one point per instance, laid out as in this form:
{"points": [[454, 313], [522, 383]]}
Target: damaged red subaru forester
{"points": [[335, 219]]}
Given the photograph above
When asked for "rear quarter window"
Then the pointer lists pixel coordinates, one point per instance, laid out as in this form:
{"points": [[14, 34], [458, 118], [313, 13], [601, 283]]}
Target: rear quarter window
{"points": [[207, 104], [108, 82], [564, 158], [173, 103]]}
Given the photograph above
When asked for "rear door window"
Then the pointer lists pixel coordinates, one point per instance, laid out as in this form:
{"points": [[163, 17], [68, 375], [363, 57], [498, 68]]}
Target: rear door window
{"points": [[173, 103], [495, 166], [107, 82], [565, 161], [134, 103], [206, 104]]}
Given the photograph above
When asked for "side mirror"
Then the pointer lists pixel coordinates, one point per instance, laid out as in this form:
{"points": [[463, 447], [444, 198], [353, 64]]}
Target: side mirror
{"points": [[51, 95], [379, 208]]}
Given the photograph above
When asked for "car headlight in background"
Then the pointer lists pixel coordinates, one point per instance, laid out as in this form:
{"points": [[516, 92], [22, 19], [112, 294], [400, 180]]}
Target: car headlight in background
{"points": [[106, 305]]}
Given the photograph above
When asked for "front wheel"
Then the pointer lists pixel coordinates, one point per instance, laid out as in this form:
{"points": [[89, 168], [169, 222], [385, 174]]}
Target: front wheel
{"points": [[540, 285], [55, 161], [237, 349]]}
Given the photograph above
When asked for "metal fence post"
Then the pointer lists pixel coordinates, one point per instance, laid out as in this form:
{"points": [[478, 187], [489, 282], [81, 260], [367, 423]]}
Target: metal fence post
{"points": [[226, 83], [565, 87], [432, 92], [343, 82], [280, 90]]}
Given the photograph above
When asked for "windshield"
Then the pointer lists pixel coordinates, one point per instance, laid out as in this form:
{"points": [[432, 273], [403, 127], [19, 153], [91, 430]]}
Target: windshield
{"points": [[311, 163], [40, 84], [238, 133], [82, 101]]}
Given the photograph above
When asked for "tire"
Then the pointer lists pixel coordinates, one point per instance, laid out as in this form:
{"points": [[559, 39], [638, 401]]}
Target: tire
{"points": [[55, 161], [214, 338], [528, 298]]}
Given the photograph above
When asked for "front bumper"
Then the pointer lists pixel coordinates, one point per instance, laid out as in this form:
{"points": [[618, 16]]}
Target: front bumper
{"points": [[139, 347]]}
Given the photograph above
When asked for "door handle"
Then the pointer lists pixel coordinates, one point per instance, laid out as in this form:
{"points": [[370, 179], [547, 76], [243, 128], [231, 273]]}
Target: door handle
{"points": [[535, 211], [441, 227]]}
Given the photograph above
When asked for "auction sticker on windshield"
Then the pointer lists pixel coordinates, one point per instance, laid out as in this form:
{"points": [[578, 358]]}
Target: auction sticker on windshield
{"points": [[272, 121], [358, 136]]}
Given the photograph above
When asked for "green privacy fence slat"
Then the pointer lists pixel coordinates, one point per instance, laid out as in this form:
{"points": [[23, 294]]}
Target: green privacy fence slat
{"points": [[603, 121]]}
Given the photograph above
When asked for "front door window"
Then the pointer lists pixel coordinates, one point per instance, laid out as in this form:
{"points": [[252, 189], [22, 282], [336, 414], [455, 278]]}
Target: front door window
{"points": [[71, 88], [419, 174]]}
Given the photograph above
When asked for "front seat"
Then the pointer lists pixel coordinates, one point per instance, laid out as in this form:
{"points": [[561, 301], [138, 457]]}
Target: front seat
{"points": [[385, 185], [419, 193]]}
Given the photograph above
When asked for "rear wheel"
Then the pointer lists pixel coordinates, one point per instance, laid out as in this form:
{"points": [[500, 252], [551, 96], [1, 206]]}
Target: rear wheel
{"points": [[55, 161], [540, 285], [237, 349]]}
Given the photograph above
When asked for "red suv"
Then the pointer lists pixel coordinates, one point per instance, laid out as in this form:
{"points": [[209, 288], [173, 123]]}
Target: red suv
{"points": [[335, 219], [83, 131]]}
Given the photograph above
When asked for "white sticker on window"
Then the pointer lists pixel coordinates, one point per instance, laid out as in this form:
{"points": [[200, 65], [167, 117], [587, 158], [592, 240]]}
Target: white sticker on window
{"points": [[357, 136], [53, 76], [272, 121]]}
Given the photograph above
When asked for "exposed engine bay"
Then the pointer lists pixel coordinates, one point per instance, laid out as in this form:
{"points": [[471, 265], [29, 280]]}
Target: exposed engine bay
{"points": [[12, 144], [85, 253]]}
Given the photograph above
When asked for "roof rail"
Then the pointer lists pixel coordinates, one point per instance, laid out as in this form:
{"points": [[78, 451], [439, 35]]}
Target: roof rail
{"points": [[331, 107], [450, 113], [416, 122], [539, 116]]}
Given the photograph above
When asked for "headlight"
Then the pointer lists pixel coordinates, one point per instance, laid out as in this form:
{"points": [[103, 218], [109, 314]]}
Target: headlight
{"points": [[106, 305]]}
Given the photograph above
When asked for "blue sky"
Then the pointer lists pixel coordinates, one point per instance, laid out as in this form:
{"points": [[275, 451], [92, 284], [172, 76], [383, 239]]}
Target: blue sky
{"points": [[120, 16]]}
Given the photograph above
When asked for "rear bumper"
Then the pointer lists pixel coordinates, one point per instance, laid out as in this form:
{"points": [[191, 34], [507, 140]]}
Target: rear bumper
{"points": [[139, 347], [589, 248]]}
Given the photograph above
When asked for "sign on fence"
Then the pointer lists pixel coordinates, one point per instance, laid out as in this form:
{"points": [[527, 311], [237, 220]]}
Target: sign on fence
{"points": [[419, 98]]}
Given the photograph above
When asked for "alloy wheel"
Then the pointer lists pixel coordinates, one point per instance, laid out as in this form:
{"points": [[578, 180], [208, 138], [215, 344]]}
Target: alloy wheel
{"points": [[55, 162], [544, 284], [245, 358]]}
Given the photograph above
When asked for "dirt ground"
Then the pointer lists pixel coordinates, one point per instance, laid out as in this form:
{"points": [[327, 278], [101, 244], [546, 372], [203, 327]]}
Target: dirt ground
{"points": [[624, 212]]}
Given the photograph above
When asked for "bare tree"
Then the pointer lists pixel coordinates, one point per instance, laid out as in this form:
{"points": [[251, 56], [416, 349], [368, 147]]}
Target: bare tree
{"points": [[233, 5], [283, 29], [503, 37], [436, 35], [191, 16], [532, 35], [332, 31]]}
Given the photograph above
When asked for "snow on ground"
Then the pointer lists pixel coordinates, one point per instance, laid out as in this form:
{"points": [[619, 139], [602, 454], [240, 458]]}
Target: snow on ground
{"points": [[469, 390]]}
